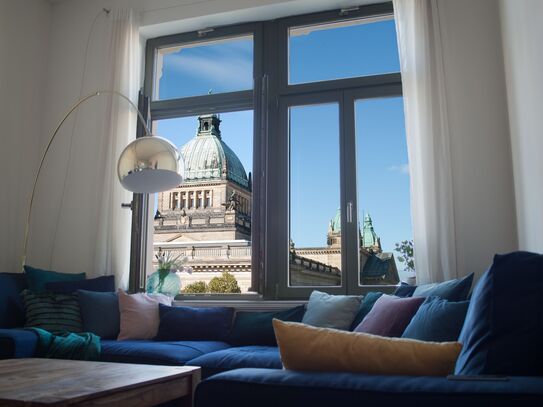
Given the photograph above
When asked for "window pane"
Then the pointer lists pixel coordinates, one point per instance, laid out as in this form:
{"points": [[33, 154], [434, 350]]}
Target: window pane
{"points": [[203, 68], [383, 189], [315, 220], [342, 50], [208, 217]]}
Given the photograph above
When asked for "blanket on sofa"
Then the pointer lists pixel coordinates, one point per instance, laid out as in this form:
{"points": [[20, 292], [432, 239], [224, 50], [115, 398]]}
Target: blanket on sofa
{"points": [[67, 345]]}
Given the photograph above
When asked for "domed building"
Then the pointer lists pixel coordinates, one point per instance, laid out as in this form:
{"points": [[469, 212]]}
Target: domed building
{"points": [[208, 217]]}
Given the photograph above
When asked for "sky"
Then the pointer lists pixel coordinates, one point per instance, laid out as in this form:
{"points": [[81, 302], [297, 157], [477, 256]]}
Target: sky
{"points": [[314, 55]]}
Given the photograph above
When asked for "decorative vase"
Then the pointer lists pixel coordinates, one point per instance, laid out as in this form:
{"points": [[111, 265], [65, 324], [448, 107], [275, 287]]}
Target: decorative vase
{"points": [[164, 282]]}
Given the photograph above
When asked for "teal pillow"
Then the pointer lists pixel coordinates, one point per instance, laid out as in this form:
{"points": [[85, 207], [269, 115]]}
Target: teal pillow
{"points": [[452, 290], [365, 307], [56, 313], [36, 279], [331, 311], [437, 320], [256, 328]]}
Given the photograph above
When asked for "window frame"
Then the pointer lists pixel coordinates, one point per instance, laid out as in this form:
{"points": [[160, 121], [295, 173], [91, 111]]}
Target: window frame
{"points": [[270, 99]]}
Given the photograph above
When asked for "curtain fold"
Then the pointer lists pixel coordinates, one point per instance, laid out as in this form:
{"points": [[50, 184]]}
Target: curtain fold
{"points": [[420, 43], [93, 230]]}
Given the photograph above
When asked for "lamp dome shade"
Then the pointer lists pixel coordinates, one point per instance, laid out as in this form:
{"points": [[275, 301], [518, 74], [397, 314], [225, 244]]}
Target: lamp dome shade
{"points": [[150, 164]]}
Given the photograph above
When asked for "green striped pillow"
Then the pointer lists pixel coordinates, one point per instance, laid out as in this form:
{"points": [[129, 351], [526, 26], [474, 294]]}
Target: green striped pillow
{"points": [[53, 312]]}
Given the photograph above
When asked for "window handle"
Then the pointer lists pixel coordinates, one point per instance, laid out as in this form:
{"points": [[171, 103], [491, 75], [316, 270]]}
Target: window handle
{"points": [[350, 212]]}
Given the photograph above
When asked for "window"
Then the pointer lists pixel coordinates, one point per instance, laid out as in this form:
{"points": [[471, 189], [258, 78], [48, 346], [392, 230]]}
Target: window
{"points": [[312, 105]]}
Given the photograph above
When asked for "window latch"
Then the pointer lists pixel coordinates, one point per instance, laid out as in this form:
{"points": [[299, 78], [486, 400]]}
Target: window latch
{"points": [[350, 212], [128, 205]]}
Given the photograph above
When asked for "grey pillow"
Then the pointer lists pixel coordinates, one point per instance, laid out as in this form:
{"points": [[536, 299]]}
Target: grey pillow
{"points": [[331, 311]]}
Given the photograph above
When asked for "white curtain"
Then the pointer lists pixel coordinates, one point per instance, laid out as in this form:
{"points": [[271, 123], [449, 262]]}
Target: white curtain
{"points": [[420, 42], [92, 233]]}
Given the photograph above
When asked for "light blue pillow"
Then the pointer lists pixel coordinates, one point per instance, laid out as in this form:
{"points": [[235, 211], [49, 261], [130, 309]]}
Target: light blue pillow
{"points": [[331, 311], [437, 320], [452, 290]]}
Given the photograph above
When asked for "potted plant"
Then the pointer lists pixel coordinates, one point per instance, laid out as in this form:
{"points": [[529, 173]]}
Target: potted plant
{"points": [[166, 279]]}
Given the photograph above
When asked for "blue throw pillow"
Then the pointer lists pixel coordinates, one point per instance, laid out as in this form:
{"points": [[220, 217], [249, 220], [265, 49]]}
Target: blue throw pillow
{"points": [[365, 307], [37, 278], [12, 312], [256, 328], [503, 332], [100, 313], [405, 290], [331, 311], [101, 284], [194, 324], [437, 320], [452, 290]]}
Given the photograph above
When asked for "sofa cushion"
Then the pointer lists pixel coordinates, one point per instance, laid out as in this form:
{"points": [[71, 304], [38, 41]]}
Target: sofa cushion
{"points": [[235, 358], [331, 311], [139, 314], [55, 313], [304, 347], [194, 324], [17, 343], [12, 314], [101, 284], [366, 305], [452, 290], [405, 290], [255, 328], [390, 315], [100, 313], [503, 331], [157, 353], [37, 278], [437, 320], [274, 387]]}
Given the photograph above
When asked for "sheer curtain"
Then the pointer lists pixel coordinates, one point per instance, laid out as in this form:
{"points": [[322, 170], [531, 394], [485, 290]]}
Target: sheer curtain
{"points": [[92, 234], [420, 40]]}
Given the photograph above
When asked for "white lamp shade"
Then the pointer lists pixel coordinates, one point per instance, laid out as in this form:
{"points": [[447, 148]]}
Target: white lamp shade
{"points": [[150, 164]]}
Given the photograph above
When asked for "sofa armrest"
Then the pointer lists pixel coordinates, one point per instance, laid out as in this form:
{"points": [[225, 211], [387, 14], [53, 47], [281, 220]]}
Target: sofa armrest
{"points": [[17, 343]]}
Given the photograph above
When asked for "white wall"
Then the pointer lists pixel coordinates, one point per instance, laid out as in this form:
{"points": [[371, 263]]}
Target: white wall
{"points": [[24, 34], [522, 31], [481, 156]]}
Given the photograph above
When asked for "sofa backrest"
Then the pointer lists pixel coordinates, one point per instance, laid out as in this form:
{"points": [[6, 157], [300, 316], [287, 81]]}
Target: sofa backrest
{"points": [[503, 330], [11, 304]]}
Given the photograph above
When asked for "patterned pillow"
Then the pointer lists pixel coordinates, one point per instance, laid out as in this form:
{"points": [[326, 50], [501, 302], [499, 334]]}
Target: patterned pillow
{"points": [[55, 313]]}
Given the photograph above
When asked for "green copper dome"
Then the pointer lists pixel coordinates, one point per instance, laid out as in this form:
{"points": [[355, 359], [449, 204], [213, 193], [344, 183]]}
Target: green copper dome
{"points": [[207, 157], [335, 223]]}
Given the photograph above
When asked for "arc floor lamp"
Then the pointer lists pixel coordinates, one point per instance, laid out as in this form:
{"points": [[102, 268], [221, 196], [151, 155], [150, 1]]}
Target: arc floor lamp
{"points": [[147, 165]]}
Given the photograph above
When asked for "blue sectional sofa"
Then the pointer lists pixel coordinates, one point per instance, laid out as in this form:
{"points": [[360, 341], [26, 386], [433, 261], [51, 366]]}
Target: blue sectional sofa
{"points": [[502, 335]]}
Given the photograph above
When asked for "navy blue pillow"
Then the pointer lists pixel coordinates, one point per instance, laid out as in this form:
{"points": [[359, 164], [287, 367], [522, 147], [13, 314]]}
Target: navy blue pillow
{"points": [[405, 290], [100, 313], [452, 290], [12, 313], [503, 332], [194, 324], [365, 307], [437, 320], [256, 328], [101, 284]]}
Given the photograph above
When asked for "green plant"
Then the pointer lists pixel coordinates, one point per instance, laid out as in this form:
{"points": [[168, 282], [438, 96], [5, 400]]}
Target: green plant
{"points": [[169, 261], [405, 248], [198, 287], [225, 284]]}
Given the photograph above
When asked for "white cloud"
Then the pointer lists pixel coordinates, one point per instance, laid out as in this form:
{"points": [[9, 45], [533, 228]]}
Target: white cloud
{"points": [[402, 169]]}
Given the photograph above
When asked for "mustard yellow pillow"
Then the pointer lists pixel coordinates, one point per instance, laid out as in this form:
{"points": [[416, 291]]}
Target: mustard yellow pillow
{"points": [[303, 347]]}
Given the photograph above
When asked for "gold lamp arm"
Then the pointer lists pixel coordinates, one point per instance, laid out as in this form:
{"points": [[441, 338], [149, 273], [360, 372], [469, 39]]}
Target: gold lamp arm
{"points": [[53, 135]]}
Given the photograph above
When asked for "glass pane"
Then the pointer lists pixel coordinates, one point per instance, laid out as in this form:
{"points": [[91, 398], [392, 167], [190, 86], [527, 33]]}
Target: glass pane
{"points": [[207, 218], [383, 195], [315, 220], [204, 67], [342, 50]]}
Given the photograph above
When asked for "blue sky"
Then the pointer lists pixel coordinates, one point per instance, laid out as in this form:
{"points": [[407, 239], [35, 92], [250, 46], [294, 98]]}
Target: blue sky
{"points": [[355, 50]]}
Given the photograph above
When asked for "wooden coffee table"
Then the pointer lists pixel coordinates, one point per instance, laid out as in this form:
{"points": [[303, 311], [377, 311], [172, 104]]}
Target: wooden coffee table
{"points": [[51, 382]]}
